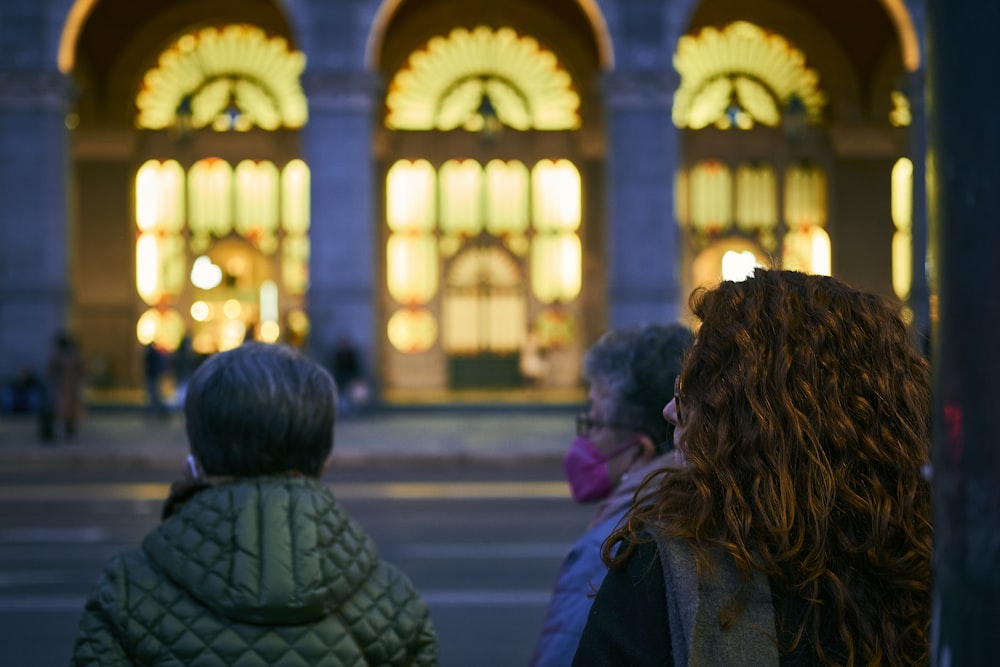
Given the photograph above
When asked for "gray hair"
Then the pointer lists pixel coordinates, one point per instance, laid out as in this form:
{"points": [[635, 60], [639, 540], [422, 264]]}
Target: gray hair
{"points": [[638, 366], [260, 409]]}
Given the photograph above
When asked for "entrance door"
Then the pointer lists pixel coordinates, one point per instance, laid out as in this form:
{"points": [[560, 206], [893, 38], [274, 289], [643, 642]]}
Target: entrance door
{"points": [[484, 316]]}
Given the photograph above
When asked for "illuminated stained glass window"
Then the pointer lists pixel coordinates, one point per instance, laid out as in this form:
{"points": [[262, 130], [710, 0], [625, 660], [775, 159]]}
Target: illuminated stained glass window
{"points": [[484, 307], [443, 86], [711, 202], [412, 330], [229, 78], [806, 243], [461, 197], [506, 197], [900, 115], [532, 227], [742, 75], [254, 202], [902, 220], [756, 197], [210, 201]]}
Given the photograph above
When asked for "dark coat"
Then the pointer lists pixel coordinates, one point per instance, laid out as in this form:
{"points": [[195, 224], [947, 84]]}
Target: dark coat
{"points": [[258, 572]]}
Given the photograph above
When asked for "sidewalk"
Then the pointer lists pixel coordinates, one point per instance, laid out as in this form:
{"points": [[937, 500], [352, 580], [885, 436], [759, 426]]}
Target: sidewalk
{"points": [[130, 438]]}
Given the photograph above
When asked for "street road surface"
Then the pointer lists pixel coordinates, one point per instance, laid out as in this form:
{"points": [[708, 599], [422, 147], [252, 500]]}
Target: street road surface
{"points": [[481, 544]]}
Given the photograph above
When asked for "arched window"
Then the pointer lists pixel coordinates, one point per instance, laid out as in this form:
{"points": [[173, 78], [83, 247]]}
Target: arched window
{"points": [[445, 85], [229, 78]]}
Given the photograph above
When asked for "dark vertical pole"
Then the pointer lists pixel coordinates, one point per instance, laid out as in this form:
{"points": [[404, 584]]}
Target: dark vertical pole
{"points": [[963, 189]]}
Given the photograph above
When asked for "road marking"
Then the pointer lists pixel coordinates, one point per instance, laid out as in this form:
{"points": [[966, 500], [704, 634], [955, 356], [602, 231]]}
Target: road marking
{"points": [[348, 490], [43, 535], [42, 603], [34, 577], [485, 551], [486, 598], [433, 598]]}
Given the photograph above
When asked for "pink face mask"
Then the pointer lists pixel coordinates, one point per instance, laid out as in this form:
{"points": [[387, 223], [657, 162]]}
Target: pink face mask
{"points": [[586, 469]]}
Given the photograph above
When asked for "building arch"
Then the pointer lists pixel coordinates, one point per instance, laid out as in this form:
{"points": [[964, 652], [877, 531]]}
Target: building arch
{"points": [[387, 10]]}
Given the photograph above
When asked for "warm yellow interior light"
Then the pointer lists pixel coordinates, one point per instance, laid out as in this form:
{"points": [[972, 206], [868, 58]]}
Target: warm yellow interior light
{"points": [[411, 268], [442, 86], [214, 71], [902, 194], [412, 330], [556, 188], [270, 331], [745, 64], [410, 197], [147, 268], [737, 266], [200, 311], [232, 309]]}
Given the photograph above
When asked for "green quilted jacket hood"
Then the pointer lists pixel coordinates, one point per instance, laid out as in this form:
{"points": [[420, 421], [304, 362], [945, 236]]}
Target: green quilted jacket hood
{"points": [[256, 572], [277, 551]]}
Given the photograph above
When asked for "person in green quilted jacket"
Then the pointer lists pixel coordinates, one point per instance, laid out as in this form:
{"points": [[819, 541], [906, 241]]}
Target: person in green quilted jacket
{"points": [[255, 563]]}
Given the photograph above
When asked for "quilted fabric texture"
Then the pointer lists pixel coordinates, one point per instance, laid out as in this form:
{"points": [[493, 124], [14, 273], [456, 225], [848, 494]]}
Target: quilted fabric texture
{"points": [[255, 573]]}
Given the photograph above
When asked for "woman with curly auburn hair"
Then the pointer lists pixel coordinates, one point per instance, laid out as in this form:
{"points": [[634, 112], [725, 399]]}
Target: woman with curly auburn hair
{"points": [[798, 531]]}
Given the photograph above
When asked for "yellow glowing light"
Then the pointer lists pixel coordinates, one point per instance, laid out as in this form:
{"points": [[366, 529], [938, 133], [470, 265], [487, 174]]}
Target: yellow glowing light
{"points": [[761, 69], [233, 334], [147, 268], [737, 266], [146, 196], [410, 198], [902, 194], [212, 69], [412, 330], [269, 332], [557, 203], [232, 309], [269, 301], [441, 86], [298, 322], [411, 268], [200, 311], [204, 274], [147, 326]]}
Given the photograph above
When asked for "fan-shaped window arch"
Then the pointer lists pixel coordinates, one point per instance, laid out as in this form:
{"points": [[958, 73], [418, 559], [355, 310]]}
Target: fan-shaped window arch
{"points": [[234, 77], [740, 75], [442, 86]]}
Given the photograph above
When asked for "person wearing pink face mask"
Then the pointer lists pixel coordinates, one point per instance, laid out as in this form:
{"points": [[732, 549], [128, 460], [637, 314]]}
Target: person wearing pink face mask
{"points": [[619, 440]]}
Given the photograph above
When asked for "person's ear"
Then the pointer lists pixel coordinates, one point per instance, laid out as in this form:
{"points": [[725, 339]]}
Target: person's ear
{"points": [[647, 448]]}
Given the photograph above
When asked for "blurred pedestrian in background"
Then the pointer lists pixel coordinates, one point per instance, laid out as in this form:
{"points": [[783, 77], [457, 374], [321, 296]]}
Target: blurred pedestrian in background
{"points": [[255, 563], [353, 390], [183, 362], [63, 403], [154, 364], [797, 530], [622, 438]]}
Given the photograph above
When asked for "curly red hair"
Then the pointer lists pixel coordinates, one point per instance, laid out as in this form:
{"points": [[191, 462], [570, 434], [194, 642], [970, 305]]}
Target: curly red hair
{"points": [[806, 435]]}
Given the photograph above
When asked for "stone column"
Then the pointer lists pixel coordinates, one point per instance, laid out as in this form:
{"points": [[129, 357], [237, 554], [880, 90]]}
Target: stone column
{"points": [[642, 255], [963, 206], [35, 292], [338, 149]]}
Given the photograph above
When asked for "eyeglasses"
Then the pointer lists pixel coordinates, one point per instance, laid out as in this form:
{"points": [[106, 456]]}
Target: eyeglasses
{"points": [[585, 425], [678, 392]]}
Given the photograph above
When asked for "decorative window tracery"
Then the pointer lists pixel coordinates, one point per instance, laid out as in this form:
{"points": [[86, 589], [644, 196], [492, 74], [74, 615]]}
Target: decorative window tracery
{"points": [[742, 75], [229, 78], [442, 86]]}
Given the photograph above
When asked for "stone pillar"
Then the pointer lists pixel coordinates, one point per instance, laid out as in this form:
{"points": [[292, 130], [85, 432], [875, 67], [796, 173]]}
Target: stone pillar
{"points": [[338, 149], [642, 255], [35, 293], [963, 205], [919, 299]]}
